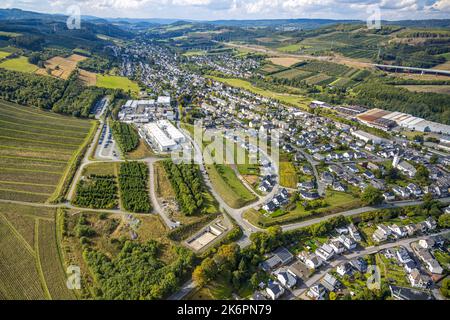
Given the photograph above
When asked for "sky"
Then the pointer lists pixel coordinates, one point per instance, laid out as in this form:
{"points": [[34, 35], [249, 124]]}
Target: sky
{"points": [[243, 9]]}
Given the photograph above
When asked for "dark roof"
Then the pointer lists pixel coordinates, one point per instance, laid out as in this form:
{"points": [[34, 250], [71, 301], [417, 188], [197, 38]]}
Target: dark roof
{"points": [[276, 289], [270, 263], [283, 254], [401, 293]]}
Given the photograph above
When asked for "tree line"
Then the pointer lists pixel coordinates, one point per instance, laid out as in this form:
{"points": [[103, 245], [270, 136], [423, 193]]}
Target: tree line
{"points": [[187, 184]]}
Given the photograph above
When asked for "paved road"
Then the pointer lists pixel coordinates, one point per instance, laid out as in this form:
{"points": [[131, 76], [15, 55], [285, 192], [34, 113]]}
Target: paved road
{"points": [[344, 258]]}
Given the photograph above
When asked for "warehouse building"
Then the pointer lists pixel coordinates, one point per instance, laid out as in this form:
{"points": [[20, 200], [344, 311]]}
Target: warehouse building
{"points": [[171, 131], [366, 137], [158, 138]]}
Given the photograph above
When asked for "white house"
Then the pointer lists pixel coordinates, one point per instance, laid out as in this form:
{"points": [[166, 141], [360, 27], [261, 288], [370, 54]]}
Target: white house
{"points": [[274, 290], [325, 252]]}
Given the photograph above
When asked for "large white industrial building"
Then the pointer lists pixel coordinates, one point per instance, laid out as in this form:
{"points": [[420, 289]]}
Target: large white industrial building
{"points": [[164, 135]]}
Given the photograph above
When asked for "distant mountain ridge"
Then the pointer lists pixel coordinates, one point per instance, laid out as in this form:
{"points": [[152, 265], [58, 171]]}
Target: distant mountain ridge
{"points": [[19, 14]]}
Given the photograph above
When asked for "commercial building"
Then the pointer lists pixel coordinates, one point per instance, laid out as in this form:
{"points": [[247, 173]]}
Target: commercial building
{"points": [[366, 137], [159, 138], [171, 131]]}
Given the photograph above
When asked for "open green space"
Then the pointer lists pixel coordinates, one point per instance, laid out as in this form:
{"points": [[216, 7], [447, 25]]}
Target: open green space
{"points": [[117, 82], [18, 64], [294, 100]]}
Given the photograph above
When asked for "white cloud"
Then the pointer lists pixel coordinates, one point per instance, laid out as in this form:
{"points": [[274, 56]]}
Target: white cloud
{"points": [[245, 9]]}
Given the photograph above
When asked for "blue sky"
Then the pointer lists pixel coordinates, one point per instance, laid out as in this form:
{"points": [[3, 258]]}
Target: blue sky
{"points": [[243, 9]]}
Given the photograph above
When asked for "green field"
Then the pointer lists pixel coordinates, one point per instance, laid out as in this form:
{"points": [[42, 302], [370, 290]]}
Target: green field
{"points": [[117, 82], [292, 48], [288, 175], [295, 100], [194, 53], [4, 54], [228, 185], [19, 64], [30, 261], [37, 148]]}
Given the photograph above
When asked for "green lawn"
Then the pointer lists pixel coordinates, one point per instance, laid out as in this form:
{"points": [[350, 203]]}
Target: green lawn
{"points": [[19, 64], [117, 82], [295, 100]]}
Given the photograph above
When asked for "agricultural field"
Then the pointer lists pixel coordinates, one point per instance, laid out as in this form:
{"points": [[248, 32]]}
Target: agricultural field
{"points": [[117, 82], [20, 64], [320, 79], [285, 61], [61, 67], [295, 100], [29, 257], [4, 54], [292, 74], [37, 150], [133, 186], [293, 48], [428, 88]]}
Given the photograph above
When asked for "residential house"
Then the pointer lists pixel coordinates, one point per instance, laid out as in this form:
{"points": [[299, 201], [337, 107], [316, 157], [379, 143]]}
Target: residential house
{"points": [[389, 196], [337, 246], [330, 282], [317, 292], [287, 278], [417, 280], [399, 231], [274, 290], [283, 255], [347, 242], [325, 252], [359, 264], [354, 232], [312, 261], [400, 293], [431, 223], [427, 243], [344, 269], [403, 255], [381, 234]]}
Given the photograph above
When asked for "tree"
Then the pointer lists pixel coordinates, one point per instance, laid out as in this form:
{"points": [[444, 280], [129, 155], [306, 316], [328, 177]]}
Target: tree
{"points": [[434, 159], [205, 272], [372, 196], [422, 174], [444, 220]]}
